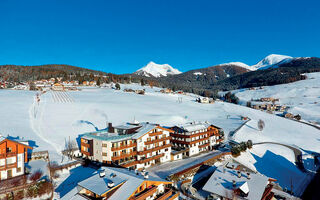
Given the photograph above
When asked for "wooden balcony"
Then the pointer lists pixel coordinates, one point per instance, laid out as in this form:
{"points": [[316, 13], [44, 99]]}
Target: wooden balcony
{"points": [[204, 145], [12, 165], [156, 133], [146, 193], [130, 164], [86, 153], [121, 147], [153, 149], [8, 154], [191, 142], [157, 140], [150, 158], [123, 155], [165, 195], [209, 133], [85, 144]]}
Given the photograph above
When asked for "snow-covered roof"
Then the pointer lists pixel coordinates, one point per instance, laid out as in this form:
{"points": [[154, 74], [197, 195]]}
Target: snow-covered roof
{"points": [[128, 182], [221, 183], [194, 126], [107, 136]]}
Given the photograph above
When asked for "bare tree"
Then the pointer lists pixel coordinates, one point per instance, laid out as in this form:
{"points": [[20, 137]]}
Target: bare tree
{"points": [[261, 124], [70, 148]]}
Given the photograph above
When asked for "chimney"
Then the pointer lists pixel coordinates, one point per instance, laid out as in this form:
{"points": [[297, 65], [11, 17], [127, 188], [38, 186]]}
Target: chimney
{"points": [[102, 173], [110, 128], [239, 174], [248, 175]]}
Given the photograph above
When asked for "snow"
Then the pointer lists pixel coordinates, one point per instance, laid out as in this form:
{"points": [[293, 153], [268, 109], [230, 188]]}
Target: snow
{"points": [[303, 97], [281, 166], [50, 123], [197, 73], [157, 70], [271, 60], [240, 64], [38, 165]]}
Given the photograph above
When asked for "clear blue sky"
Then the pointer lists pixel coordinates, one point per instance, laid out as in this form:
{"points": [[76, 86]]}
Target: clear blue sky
{"points": [[122, 36]]}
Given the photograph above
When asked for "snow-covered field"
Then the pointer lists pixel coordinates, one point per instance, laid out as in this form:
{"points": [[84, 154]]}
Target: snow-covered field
{"points": [[303, 97], [60, 115]]}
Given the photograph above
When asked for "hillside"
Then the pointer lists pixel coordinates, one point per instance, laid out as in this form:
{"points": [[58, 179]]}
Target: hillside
{"points": [[27, 73], [230, 77]]}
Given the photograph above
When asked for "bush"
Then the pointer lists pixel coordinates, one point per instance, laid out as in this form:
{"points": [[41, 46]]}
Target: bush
{"points": [[261, 125], [235, 151], [249, 144], [44, 188], [19, 195], [36, 175], [117, 86]]}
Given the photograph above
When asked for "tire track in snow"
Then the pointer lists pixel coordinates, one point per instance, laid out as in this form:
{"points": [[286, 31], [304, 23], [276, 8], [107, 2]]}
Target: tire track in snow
{"points": [[36, 112]]}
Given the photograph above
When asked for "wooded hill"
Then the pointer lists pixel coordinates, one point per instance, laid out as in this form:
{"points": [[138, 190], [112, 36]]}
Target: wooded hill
{"points": [[284, 73], [205, 81]]}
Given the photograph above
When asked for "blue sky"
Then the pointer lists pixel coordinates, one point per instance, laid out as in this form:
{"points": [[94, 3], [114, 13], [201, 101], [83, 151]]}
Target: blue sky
{"points": [[122, 36]]}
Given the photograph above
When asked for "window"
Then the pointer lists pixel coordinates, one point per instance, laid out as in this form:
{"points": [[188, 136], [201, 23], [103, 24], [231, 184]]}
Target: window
{"points": [[9, 149]]}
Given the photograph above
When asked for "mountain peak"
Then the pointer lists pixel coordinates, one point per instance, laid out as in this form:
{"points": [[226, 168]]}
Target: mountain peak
{"points": [[272, 60], [157, 70]]}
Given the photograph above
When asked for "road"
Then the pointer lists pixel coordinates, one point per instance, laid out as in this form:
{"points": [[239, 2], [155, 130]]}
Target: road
{"points": [[168, 168]]}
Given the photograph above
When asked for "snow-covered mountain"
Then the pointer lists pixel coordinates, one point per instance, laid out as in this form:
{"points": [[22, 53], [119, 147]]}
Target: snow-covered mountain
{"points": [[239, 64], [156, 70], [272, 60]]}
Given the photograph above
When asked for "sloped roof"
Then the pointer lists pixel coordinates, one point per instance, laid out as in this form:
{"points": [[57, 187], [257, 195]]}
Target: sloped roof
{"points": [[22, 142], [128, 182], [221, 183]]}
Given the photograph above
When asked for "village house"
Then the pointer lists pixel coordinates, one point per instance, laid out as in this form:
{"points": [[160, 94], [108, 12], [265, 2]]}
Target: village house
{"points": [[133, 145], [57, 87], [193, 138], [205, 100], [226, 183], [119, 183], [166, 91], [13, 156]]}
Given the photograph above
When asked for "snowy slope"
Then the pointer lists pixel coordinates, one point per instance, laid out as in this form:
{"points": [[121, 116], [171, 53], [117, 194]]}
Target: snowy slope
{"points": [[272, 60], [302, 96], [157, 70], [61, 115], [240, 64]]}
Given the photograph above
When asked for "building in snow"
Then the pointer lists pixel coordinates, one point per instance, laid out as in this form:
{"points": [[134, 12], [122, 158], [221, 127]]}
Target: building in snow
{"points": [[133, 145], [119, 183], [195, 137], [226, 183], [13, 156]]}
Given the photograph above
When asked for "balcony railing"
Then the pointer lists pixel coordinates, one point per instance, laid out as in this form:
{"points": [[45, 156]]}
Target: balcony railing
{"points": [[204, 145], [157, 140], [85, 144], [153, 149], [8, 154], [146, 193], [156, 133], [123, 155], [123, 147], [165, 195], [150, 158]]}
